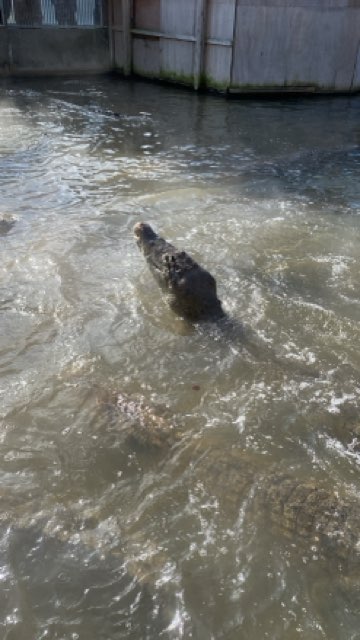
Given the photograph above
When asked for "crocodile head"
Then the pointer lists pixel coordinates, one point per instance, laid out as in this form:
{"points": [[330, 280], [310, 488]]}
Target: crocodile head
{"points": [[191, 289]]}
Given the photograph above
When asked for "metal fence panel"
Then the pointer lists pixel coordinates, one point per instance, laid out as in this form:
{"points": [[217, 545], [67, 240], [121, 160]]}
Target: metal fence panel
{"points": [[57, 13]]}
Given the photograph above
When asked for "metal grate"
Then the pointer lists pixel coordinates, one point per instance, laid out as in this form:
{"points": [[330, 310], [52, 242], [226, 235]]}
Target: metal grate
{"points": [[62, 13]]}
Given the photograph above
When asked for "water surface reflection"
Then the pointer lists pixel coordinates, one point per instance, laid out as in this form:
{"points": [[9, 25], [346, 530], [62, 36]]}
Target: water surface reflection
{"points": [[101, 538]]}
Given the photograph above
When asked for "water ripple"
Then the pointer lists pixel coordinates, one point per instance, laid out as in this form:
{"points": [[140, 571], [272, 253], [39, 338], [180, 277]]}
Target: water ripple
{"points": [[100, 536]]}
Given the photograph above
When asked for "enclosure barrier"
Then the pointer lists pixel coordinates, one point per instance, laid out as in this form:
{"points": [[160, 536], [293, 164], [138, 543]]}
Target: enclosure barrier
{"points": [[53, 36], [229, 45], [240, 45]]}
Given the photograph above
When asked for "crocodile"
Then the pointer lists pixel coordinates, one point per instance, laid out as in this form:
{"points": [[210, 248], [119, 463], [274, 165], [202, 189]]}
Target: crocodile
{"points": [[190, 289], [191, 293], [6, 224], [314, 517], [304, 510], [144, 426]]}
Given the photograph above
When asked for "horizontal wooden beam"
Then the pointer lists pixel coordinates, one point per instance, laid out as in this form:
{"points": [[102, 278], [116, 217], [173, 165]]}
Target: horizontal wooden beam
{"points": [[219, 43], [160, 34], [145, 33]]}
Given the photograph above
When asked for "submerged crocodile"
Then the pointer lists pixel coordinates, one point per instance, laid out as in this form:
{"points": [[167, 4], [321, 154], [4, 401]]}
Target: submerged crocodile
{"points": [[312, 516], [6, 223], [191, 290], [303, 510], [144, 426]]}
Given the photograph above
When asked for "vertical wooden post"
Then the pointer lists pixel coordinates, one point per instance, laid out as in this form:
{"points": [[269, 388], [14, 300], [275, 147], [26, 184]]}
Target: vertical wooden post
{"points": [[111, 32], [127, 19], [233, 44], [2, 14], [200, 24]]}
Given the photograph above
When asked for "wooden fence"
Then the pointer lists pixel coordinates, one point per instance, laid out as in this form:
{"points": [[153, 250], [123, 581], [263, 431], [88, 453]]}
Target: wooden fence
{"points": [[240, 45]]}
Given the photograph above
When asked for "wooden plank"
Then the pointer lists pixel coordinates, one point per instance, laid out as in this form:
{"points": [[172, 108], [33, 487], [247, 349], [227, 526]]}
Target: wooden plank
{"points": [[117, 13], [147, 33], [126, 21], [110, 7], [177, 61], [147, 14], [159, 34], [295, 47], [116, 38], [220, 32], [177, 56], [219, 43], [217, 66], [355, 83], [118, 49], [314, 5], [220, 19], [147, 57], [178, 15], [200, 21]]}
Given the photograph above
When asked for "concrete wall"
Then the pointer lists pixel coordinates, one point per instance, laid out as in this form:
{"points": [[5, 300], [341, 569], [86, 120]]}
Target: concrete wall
{"points": [[3, 51], [54, 50]]}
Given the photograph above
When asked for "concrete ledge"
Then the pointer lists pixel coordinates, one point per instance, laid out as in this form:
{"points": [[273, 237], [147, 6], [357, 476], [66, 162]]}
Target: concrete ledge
{"points": [[38, 51]]}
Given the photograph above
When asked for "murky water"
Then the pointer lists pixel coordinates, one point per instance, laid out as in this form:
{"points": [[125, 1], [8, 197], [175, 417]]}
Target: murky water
{"points": [[102, 539]]}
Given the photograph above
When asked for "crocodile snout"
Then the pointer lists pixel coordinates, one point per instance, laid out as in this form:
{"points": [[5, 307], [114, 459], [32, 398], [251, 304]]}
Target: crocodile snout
{"points": [[143, 231]]}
